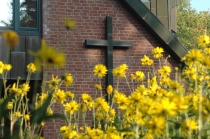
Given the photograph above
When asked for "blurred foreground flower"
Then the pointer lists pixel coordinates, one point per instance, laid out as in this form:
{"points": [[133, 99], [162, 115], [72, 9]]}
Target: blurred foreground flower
{"points": [[11, 38], [1, 67], [70, 23], [49, 56]]}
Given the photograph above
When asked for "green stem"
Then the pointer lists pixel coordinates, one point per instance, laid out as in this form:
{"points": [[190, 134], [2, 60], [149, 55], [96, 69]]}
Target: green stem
{"points": [[100, 86], [167, 128], [200, 115], [83, 119], [199, 107], [137, 127], [159, 63], [128, 84], [2, 127], [94, 120], [117, 83]]}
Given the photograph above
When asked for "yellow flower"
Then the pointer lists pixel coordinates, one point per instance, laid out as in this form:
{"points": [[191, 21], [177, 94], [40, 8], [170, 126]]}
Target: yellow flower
{"points": [[181, 102], [101, 104], [87, 99], [135, 98], [1, 67], [48, 56], [49, 111], [43, 96], [164, 71], [17, 91], [165, 81], [9, 105], [69, 23], [111, 115], [42, 123], [82, 107], [206, 51], [109, 89], [64, 129], [124, 66], [139, 76], [188, 126], [11, 38], [157, 52], [98, 86], [25, 87], [71, 107], [53, 84], [193, 57], [146, 61], [149, 136], [73, 134], [60, 96], [17, 114], [100, 70], [70, 94], [65, 132], [153, 83], [7, 67], [132, 76], [142, 90], [188, 72], [119, 72], [156, 126], [166, 107], [203, 41], [95, 133], [68, 79], [31, 67], [27, 117], [112, 133], [53, 58], [175, 87], [205, 61], [121, 100]]}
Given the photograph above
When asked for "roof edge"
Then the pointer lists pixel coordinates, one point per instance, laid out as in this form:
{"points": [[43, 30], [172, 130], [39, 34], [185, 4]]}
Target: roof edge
{"points": [[158, 30]]}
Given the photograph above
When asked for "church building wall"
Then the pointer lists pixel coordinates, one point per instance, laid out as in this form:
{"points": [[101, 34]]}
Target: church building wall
{"points": [[90, 17]]}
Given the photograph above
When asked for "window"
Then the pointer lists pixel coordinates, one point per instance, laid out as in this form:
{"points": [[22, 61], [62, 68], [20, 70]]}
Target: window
{"points": [[23, 16]]}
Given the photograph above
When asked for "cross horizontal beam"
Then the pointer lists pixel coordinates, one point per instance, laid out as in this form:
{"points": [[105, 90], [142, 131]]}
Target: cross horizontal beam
{"points": [[116, 44]]}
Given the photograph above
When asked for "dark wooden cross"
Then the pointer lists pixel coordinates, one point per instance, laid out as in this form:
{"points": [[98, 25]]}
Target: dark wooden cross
{"points": [[109, 44]]}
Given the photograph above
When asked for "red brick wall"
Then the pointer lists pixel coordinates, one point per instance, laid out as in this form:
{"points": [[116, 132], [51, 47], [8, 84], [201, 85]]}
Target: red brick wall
{"points": [[90, 16]]}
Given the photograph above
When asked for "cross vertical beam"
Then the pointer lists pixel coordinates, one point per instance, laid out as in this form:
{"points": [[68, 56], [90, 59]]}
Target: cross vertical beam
{"points": [[109, 51], [110, 44]]}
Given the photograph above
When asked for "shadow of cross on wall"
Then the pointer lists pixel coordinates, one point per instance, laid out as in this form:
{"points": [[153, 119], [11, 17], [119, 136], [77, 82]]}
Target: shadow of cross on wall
{"points": [[109, 44]]}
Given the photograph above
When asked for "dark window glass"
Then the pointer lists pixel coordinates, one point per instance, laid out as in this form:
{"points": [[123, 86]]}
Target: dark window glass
{"points": [[28, 13], [6, 13]]}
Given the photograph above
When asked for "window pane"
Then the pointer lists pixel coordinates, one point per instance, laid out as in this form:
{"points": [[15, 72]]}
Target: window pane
{"points": [[28, 13], [6, 13]]}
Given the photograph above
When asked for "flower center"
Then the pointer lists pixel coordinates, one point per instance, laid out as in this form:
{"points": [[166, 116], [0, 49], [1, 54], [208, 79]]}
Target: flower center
{"points": [[49, 60]]}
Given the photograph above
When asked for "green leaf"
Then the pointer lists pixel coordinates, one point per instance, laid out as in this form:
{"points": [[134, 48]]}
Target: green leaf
{"points": [[3, 107], [40, 114]]}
